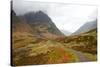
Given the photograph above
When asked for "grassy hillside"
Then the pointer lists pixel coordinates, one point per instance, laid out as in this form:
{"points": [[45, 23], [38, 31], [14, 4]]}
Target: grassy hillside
{"points": [[86, 42], [29, 50]]}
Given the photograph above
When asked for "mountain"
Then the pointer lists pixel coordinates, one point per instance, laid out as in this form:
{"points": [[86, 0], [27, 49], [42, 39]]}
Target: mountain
{"points": [[86, 27], [42, 25]]}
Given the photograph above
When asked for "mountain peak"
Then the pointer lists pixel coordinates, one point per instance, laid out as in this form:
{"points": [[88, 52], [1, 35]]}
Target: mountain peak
{"points": [[38, 16], [41, 17]]}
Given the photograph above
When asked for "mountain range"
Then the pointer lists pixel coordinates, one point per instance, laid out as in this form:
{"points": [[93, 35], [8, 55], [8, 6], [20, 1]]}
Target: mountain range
{"points": [[40, 24]]}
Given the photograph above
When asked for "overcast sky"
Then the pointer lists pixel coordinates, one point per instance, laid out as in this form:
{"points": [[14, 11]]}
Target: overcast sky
{"points": [[67, 17]]}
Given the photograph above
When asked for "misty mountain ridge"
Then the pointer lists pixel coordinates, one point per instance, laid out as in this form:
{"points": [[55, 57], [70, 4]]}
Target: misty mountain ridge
{"points": [[86, 27]]}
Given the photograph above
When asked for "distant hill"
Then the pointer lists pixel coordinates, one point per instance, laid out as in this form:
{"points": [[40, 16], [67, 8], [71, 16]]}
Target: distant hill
{"points": [[86, 27]]}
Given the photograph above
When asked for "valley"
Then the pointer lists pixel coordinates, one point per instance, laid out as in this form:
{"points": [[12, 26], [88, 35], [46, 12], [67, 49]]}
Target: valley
{"points": [[36, 40]]}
